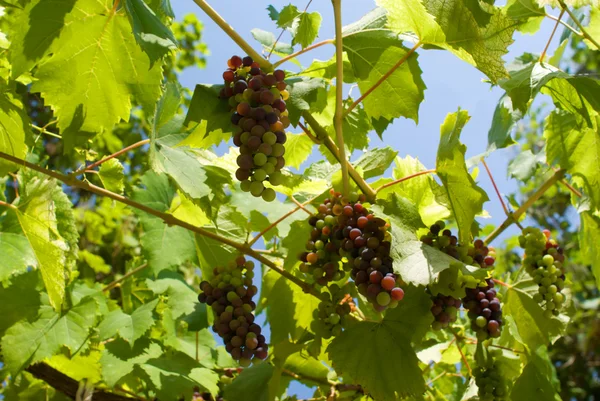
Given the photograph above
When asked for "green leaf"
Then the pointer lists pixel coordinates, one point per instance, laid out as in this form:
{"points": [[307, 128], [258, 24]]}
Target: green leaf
{"points": [[593, 28], [575, 147], [26, 343], [111, 174], [525, 164], [376, 161], [480, 36], [17, 255], [149, 31], [128, 327], [303, 93], [206, 106], [164, 246], [503, 122], [466, 198], [273, 13], [306, 29], [182, 299], [95, 262], [20, 300], [533, 384], [287, 16], [420, 190], [94, 70], [411, 317], [297, 149], [267, 39], [589, 235], [384, 364], [372, 51], [530, 326], [14, 124], [119, 358], [251, 385]]}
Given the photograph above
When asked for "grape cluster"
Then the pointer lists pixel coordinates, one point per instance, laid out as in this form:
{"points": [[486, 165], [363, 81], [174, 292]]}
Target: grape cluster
{"points": [[543, 261], [445, 310], [490, 382], [260, 115], [485, 310], [198, 396], [230, 294], [476, 254], [329, 319], [345, 230]]}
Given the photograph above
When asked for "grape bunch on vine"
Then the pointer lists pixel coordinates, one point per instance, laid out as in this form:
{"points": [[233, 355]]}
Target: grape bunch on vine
{"points": [[231, 214]]}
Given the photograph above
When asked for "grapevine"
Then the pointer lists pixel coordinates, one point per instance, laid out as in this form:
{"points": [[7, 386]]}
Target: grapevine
{"points": [[230, 294], [543, 261], [259, 113]]}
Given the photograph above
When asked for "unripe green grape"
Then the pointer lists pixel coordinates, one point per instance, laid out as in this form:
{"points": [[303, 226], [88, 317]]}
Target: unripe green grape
{"points": [[383, 298], [269, 195], [481, 321], [278, 150], [256, 188], [548, 314], [538, 298], [270, 138], [276, 178], [269, 168], [245, 185], [558, 298], [260, 174], [547, 260], [244, 137], [260, 159]]}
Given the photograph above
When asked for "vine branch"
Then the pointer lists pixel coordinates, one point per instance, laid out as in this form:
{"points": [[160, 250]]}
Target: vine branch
{"points": [[487, 169], [324, 137], [92, 166], [125, 277], [408, 177], [551, 35], [383, 78], [43, 130], [302, 51], [167, 218], [228, 29], [339, 95], [513, 217], [584, 33]]}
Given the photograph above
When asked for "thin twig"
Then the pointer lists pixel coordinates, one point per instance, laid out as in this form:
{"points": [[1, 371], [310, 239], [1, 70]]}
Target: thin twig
{"points": [[107, 158], [563, 23], [408, 177], [513, 217], [495, 186], [8, 205], [309, 134], [551, 36], [302, 205], [462, 355], [166, 217], [383, 78], [228, 29], [339, 95], [584, 33], [302, 51], [125, 277], [197, 346], [571, 188], [43, 130], [279, 220], [502, 283]]}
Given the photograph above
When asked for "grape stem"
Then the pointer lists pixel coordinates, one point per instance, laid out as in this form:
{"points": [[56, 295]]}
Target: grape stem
{"points": [[408, 177], [462, 355], [228, 29], [339, 95], [324, 137], [562, 12], [302, 205], [43, 130], [302, 51], [383, 78], [584, 33], [87, 169], [125, 277], [502, 283], [279, 220], [169, 219], [495, 186], [8, 205], [309, 134], [563, 23], [513, 217]]}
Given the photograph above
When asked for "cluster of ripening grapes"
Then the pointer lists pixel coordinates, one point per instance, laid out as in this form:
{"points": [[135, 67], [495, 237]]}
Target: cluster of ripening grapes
{"points": [[492, 386], [543, 261], [260, 115], [485, 310], [230, 294], [445, 311], [345, 231], [330, 317], [476, 254]]}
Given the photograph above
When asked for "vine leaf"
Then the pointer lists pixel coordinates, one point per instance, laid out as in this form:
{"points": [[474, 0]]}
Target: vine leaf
{"points": [[21, 300], [503, 122], [149, 31], [128, 327], [119, 359], [209, 113], [252, 384], [575, 146], [267, 39], [372, 51], [164, 247], [14, 124], [182, 299], [465, 197], [589, 235], [17, 254], [94, 70], [306, 28], [112, 175], [26, 343], [385, 363], [535, 381], [376, 161], [297, 149], [475, 32]]}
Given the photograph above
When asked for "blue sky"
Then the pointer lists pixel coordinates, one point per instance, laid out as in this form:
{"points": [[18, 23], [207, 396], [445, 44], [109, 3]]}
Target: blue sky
{"points": [[451, 83]]}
